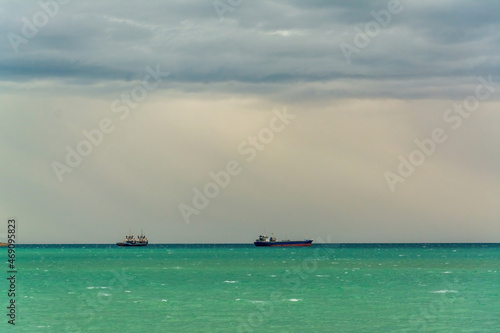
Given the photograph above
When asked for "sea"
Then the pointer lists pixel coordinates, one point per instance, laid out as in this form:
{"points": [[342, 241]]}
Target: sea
{"points": [[243, 288]]}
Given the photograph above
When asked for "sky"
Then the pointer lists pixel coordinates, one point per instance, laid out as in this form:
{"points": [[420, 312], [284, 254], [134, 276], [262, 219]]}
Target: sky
{"points": [[217, 121]]}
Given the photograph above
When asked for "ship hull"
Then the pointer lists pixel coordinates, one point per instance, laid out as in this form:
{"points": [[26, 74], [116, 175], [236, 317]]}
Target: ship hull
{"points": [[287, 243], [130, 244]]}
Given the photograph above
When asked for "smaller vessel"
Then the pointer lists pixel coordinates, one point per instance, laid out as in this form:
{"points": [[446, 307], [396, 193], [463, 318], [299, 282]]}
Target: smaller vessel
{"points": [[141, 240], [264, 240]]}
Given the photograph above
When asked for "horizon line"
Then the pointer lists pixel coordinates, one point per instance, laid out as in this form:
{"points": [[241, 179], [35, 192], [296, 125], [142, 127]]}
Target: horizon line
{"points": [[250, 243]]}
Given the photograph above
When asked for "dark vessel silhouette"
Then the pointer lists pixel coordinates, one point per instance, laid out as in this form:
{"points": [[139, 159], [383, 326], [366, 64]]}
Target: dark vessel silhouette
{"points": [[131, 241], [271, 241]]}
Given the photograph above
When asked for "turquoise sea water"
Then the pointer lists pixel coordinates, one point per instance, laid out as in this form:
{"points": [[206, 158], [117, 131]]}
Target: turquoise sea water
{"points": [[242, 288]]}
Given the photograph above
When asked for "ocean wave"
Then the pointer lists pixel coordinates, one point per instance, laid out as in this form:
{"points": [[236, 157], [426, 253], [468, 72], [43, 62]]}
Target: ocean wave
{"points": [[103, 294]]}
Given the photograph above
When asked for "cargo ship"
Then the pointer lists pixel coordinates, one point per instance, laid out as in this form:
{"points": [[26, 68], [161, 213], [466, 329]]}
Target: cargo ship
{"points": [[130, 240], [272, 241]]}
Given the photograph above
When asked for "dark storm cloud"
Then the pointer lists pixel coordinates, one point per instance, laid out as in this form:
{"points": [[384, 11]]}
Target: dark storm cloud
{"points": [[258, 42]]}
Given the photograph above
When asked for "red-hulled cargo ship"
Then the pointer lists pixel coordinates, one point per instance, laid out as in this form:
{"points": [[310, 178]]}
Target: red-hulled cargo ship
{"points": [[271, 241]]}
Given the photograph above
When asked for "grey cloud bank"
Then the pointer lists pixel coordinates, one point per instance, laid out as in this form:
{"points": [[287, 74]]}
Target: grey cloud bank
{"points": [[275, 42]]}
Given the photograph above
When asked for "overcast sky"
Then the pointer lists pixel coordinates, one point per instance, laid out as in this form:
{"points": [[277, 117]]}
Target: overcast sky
{"points": [[342, 121]]}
